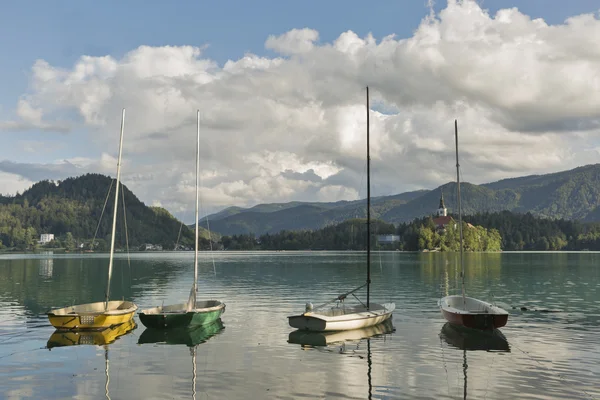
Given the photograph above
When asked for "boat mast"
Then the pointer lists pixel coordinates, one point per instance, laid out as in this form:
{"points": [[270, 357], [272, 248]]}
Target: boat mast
{"points": [[460, 229], [368, 207], [114, 226], [195, 288]]}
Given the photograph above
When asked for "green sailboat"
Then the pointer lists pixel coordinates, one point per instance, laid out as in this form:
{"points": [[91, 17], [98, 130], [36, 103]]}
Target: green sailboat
{"points": [[194, 312]]}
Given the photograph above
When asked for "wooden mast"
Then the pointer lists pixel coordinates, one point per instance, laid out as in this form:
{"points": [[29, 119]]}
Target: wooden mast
{"points": [[368, 207], [460, 229], [114, 225]]}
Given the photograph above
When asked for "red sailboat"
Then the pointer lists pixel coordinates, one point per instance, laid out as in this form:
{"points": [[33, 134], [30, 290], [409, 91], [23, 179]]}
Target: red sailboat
{"points": [[467, 311]]}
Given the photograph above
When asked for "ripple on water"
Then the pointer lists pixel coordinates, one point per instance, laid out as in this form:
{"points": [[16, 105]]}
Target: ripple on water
{"points": [[551, 355]]}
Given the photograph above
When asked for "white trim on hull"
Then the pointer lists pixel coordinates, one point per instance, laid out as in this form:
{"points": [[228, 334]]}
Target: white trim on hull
{"points": [[182, 308], [454, 305], [343, 319]]}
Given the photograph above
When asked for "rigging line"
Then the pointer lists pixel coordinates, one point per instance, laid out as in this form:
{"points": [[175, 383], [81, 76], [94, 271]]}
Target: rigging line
{"points": [[178, 236], [210, 243], [126, 237], [340, 297], [359, 300], [103, 208], [209, 234]]}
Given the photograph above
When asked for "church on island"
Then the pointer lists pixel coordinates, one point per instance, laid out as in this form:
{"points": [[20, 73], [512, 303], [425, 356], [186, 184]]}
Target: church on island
{"points": [[442, 219]]}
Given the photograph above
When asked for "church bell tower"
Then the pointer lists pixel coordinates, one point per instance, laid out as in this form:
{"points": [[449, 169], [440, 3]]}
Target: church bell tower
{"points": [[442, 212]]}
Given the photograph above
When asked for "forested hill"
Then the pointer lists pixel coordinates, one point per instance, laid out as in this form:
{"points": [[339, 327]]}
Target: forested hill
{"points": [[75, 205], [572, 195]]}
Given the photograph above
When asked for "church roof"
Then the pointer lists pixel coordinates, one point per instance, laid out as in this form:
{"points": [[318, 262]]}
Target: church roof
{"points": [[442, 221]]}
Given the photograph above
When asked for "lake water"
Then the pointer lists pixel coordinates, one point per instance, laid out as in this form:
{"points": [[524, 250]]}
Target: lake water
{"points": [[542, 355]]}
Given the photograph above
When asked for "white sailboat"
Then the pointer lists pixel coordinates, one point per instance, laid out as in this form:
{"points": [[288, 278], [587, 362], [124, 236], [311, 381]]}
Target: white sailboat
{"points": [[463, 310], [194, 312], [346, 318]]}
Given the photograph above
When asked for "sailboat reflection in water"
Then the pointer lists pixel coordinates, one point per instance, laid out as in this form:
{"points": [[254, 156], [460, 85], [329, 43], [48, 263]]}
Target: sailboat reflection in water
{"points": [[191, 337], [321, 340], [103, 338], [466, 339], [62, 338]]}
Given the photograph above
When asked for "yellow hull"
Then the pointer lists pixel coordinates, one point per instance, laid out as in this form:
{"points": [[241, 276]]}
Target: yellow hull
{"points": [[98, 338], [92, 316]]}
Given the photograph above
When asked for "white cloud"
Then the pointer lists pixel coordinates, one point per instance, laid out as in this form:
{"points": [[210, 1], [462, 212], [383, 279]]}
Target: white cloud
{"points": [[10, 184], [30, 117], [293, 42], [526, 95]]}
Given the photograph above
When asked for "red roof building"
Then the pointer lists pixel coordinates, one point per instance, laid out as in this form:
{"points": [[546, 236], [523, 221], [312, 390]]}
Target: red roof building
{"points": [[441, 222]]}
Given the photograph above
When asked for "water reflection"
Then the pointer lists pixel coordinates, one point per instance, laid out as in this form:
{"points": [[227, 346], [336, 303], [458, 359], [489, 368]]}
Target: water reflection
{"points": [[99, 338], [254, 359], [472, 340], [308, 339], [46, 267], [189, 337]]}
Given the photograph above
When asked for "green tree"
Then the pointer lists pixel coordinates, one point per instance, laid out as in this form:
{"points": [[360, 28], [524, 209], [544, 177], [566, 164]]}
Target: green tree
{"points": [[69, 242]]}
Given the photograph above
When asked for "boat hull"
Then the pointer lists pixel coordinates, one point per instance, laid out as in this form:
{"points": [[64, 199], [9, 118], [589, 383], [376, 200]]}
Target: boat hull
{"points": [[177, 316], [356, 318], [478, 315], [92, 316]]}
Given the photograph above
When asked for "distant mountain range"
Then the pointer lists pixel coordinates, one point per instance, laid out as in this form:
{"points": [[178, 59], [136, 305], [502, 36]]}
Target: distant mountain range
{"points": [[573, 195]]}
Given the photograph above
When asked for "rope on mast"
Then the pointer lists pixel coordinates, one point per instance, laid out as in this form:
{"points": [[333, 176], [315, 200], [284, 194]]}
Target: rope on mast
{"points": [[341, 297]]}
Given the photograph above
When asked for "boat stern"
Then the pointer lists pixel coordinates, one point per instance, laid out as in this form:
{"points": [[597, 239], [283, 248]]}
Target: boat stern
{"points": [[485, 322], [307, 322]]}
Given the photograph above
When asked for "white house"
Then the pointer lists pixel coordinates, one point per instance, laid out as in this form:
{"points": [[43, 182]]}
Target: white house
{"points": [[387, 239], [46, 238]]}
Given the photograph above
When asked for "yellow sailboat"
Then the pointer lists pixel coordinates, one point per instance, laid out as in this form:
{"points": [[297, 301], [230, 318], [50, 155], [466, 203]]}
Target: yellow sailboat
{"points": [[103, 314]]}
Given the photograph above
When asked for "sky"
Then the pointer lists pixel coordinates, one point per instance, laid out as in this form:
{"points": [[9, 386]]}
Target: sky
{"points": [[281, 91]]}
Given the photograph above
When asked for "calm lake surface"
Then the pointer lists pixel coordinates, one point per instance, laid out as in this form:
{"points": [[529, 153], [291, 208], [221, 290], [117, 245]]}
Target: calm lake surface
{"points": [[549, 355]]}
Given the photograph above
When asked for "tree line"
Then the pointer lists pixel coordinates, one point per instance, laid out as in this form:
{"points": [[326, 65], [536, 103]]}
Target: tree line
{"points": [[421, 234], [493, 231]]}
